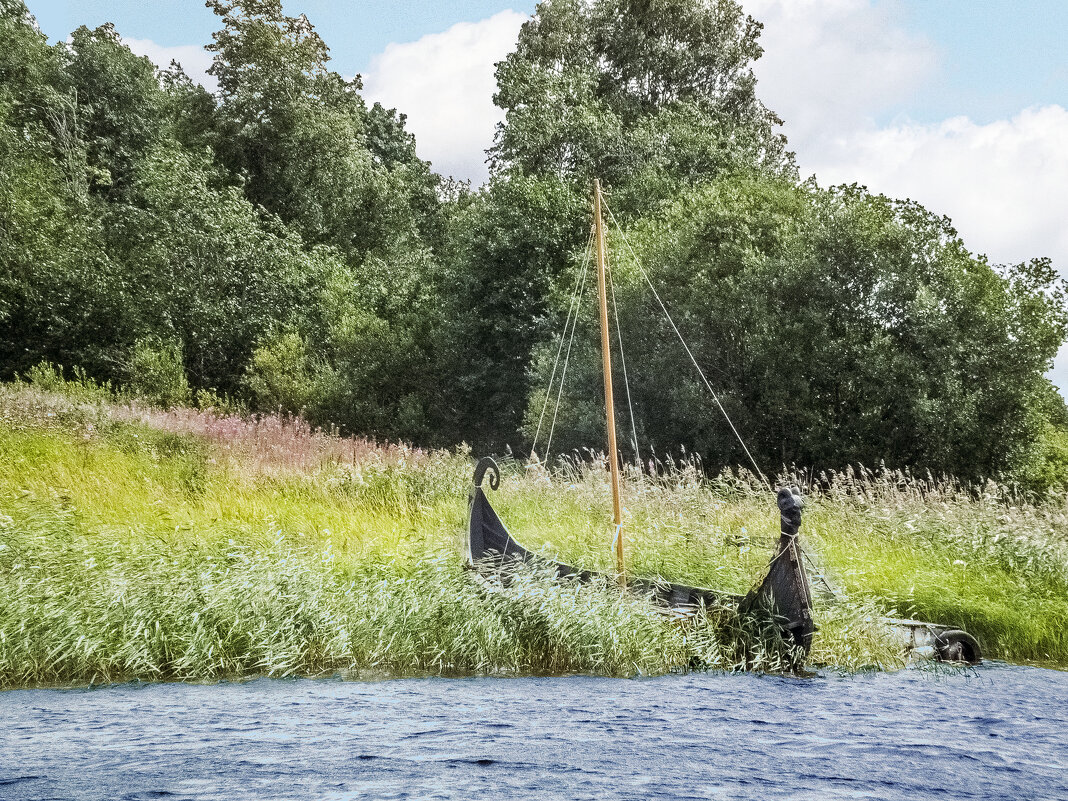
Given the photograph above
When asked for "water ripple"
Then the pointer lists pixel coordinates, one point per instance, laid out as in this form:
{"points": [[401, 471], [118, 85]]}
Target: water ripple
{"points": [[992, 733]]}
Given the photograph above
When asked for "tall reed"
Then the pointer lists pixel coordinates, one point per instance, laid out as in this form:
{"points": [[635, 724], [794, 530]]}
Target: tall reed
{"points": [[141, 544]]}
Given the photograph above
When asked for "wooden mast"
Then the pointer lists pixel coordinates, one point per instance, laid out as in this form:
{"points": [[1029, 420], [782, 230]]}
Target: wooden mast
{"points": [[606, 353]]}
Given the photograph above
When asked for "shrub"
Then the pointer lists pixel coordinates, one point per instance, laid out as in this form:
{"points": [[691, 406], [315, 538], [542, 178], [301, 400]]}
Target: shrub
{"points": [[50, 377], [1046, 471], [278, 377], [156, 372]]}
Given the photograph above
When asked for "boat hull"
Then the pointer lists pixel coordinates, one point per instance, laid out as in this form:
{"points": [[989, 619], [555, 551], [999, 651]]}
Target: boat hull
{"points": [[783, 594]]}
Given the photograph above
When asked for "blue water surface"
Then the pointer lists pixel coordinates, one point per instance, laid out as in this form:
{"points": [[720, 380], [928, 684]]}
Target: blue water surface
{"points": [[997, 732]]}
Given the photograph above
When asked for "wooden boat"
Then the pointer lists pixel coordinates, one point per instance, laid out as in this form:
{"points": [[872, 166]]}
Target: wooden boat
{"points": [[783, 596]]}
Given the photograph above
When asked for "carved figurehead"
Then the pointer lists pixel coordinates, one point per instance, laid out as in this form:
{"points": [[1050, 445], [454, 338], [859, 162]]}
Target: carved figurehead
{"points": [[785, 591]]}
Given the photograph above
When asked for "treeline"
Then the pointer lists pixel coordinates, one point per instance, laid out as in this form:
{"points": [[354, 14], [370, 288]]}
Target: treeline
{"points": [[280, 244]]}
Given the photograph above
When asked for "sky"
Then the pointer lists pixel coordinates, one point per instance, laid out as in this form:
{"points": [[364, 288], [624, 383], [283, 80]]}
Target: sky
{"points": [[961, 105]]}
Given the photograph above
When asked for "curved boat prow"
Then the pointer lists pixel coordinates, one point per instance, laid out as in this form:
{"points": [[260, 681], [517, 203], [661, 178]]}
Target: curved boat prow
{"points": [[489, 545], [488, 541]]}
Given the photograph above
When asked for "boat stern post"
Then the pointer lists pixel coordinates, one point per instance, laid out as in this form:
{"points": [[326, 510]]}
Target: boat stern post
{"points": [[785, 589]]}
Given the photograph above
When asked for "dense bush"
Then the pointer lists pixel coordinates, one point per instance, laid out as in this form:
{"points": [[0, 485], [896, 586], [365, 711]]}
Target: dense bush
{"points": [[156, 373]]}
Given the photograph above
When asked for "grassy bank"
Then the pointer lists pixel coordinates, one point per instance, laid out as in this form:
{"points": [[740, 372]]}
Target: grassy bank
{"points": [[136, 543]]}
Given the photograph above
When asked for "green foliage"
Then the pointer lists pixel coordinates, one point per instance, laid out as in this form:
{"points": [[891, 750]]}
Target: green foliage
{"points": [[635, 93], [376, 372], [46, 376], [49, 377], [31, 76], [125, 229], [278, 376], [836, 326], [203, 265], [156, 373], [119, 104], [57, 291], [1046, 471], [299, 134], [509, 245], [650, 98], [291, 242]]}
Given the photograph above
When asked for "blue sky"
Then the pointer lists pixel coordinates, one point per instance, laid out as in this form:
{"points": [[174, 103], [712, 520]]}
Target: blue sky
{"points": [[996, 56], [959, 104], [354, 30]]}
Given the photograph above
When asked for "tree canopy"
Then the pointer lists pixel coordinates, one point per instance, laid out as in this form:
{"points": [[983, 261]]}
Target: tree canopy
{"points": [[835, 325], [653, 92], [281, 243]]}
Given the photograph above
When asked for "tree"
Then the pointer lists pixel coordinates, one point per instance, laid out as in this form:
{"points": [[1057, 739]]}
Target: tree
{"points": [[650, 96], [31, 72], [55, 283], [650, 92], [508, 246], [57, 295], [203, 267], [301, 137], [120, 105]]}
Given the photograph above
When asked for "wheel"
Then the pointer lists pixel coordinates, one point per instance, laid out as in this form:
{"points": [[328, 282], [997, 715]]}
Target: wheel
{"points": [[955, 645]]}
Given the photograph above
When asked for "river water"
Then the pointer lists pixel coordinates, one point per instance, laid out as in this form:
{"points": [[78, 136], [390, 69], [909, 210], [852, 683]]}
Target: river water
{"points": [[996, 732]]}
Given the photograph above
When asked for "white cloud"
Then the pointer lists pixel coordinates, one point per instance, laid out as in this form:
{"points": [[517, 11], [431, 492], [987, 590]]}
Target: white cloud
{"points": [[834, 64], [832, 67], [1005, 184], [194, 59], [445, 83]]}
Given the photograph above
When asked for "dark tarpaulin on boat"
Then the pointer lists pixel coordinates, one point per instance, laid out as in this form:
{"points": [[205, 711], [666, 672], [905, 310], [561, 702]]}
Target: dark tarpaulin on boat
{"points": [[488, 538], [488, 542]]}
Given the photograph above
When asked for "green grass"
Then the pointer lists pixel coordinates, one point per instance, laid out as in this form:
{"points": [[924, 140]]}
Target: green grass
{"points": [[143, 544], [997, 569]]}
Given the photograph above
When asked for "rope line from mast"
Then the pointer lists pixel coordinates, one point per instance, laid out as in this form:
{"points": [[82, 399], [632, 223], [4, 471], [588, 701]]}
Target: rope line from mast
{"points": [[682, 339], [623, 361], [567, 355], [572, 308]]}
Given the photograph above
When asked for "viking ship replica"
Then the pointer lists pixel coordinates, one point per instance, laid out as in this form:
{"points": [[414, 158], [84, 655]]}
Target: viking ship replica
{"points": [[783, 596]]}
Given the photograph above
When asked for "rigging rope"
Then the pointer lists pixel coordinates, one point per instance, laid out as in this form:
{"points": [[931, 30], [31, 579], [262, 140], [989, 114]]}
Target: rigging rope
{"points": [[623, 363], [572, 307], [821, 574], [689, 353], [567, 355]]}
